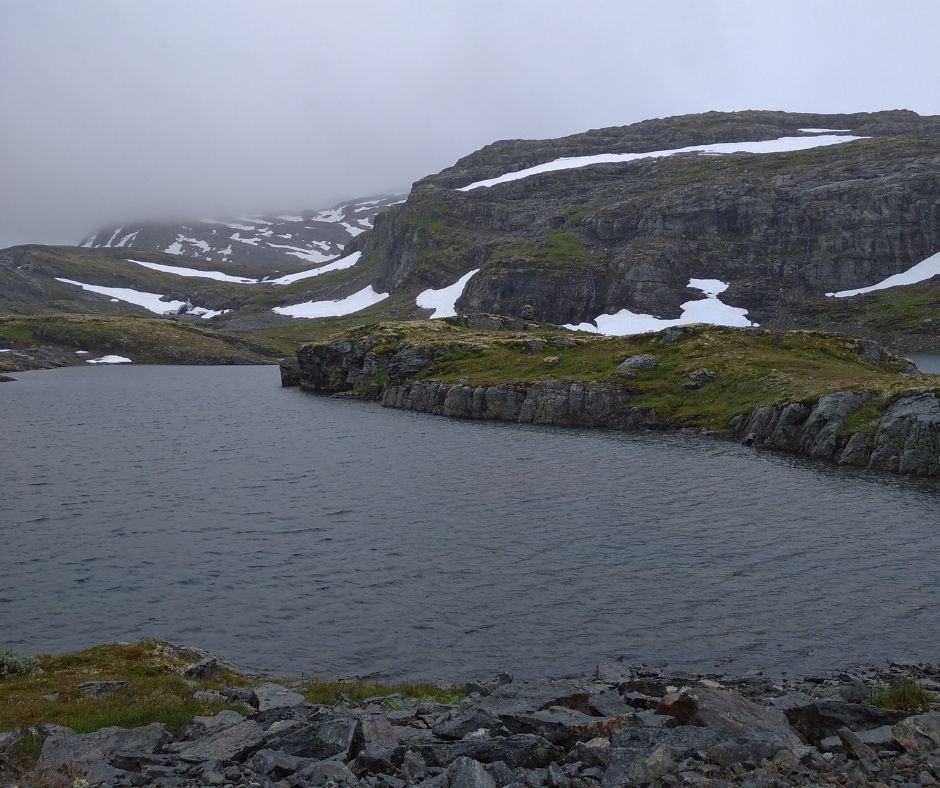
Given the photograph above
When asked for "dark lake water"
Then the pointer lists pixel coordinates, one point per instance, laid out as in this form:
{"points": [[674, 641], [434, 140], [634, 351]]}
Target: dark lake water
{"points": [[926, 362], [292, 532]]}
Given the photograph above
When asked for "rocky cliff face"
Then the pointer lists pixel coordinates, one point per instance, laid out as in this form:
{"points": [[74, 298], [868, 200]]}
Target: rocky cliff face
{"points": [[783, 229], [854, 428]]}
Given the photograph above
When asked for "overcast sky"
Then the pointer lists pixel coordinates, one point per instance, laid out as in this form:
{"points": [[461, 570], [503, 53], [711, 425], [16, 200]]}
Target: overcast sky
{"points": [[116, 110]]}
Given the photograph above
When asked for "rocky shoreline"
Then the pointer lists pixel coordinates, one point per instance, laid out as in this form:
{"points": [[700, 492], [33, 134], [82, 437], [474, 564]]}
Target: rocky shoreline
{"points": [[620, 726], [903, 438]]}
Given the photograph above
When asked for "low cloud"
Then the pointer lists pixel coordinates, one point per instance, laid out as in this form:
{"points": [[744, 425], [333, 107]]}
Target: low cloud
{"points": [[115, 111]]}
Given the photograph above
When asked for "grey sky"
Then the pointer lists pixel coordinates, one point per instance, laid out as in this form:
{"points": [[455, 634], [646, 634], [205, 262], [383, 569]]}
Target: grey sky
{"points": [[115, 110]]}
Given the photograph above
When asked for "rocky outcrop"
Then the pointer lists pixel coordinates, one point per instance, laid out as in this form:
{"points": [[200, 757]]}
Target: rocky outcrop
{"points": [[902, 437], [782, 229], [622, 725], [905, 438]]}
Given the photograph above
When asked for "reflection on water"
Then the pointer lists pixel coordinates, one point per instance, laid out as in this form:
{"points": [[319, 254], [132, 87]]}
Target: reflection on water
{"points": [[926, 362], [288, 531]]}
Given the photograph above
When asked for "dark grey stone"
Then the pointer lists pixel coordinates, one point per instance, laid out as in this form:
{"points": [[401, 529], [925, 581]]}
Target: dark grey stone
{"points": [[101, 689], [468, 773], [520, 750], [640, 361], [208, 668], [234, 743], [321, 739], [87, 754], [274, 696], [468, 722]]}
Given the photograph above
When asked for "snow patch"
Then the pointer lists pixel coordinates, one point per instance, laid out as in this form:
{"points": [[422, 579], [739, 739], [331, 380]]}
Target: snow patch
{"points": [[706, 310], [90, 242], [111, 239], [310, 255], [352, 229], [250, 241], [444, 301], [207, 314], [195, 242], [234, 225], [174, 248], [127, 238], [924, 270], [289, 218], [332, 215], [81, 352], [780, 145], [825, 131], [110, 360], [219, 276], [153, 302], [337, 265], [343, 306]]}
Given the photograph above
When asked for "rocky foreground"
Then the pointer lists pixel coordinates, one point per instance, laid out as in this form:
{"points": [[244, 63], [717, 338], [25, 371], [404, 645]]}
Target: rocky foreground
{"points": [[621, 726]]}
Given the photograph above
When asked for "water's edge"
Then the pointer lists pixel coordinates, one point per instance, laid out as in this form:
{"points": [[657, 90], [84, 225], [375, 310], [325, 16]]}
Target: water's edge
{"points": [[905, 439]]}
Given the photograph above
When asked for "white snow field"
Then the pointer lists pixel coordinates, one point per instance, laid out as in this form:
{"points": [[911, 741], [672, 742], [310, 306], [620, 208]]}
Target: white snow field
{"points": [[109, 360], [310, 255], [342, 306], [444, 301], [329, 215], [825, 131], [150, 301], [705, 310], [337, 265], [921, 272], [779, 145], [127, 238], [195, 272]]}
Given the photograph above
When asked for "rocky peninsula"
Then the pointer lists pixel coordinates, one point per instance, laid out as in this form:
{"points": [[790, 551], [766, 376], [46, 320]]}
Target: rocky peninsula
{"points": [[825, 396], [158, 714]]}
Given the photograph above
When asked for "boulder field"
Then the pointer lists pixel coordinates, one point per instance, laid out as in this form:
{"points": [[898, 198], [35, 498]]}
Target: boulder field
{"points": [[620, 726]]}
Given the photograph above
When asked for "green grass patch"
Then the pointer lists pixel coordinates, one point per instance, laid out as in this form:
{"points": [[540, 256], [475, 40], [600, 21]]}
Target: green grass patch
{"points": [[157, 691], [557, 254], [144, 340], [904, 695], [330, 692], [750, 368]]}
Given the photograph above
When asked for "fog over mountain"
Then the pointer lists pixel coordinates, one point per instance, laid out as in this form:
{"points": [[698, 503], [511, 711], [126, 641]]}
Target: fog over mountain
{"points": [[116, 111]]}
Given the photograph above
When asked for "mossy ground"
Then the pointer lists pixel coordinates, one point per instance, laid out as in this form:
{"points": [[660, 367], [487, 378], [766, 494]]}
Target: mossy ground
{"points": [[157, 691], [145, 340], [749, 368], [911, 313]]}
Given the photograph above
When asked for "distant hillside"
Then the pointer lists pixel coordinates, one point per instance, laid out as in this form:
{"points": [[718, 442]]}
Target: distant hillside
{"points": [[262, 243], [786, 220], [609, 229]]}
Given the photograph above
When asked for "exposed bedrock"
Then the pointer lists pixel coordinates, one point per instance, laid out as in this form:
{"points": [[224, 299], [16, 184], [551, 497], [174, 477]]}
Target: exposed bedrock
{"points": [[845, 427], [905, 439], [782, 229]]}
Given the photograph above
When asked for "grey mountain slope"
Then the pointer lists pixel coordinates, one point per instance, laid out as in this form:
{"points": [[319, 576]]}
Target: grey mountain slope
{"points": [[783, 228], [260, 243]]}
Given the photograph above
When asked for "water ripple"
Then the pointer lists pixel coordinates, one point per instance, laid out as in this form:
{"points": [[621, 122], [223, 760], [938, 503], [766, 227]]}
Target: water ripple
{"points": [[292, 532]]}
